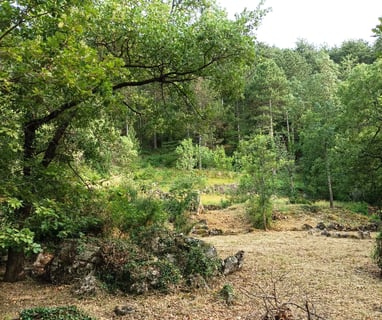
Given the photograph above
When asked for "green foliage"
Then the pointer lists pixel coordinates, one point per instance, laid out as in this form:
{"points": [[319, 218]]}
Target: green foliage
{"points": [[361, 137], [258, 159], [54, 221], [189, 155], [154, 259], [70, 84], [221, 160], [195, 261], [161, 159], [227, 293], [186, 155], [22, 240], [357, 207], [54, 313], [259, 211], [129, 210], [183, 198]]}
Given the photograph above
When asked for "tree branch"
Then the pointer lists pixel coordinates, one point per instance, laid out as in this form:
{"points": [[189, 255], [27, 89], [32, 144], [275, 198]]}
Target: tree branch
{"points": [[51, 151], [132, 109]]}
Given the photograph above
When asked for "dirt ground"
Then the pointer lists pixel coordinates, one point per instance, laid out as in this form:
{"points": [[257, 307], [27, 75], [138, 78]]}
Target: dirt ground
{"points": [[335, 277]]}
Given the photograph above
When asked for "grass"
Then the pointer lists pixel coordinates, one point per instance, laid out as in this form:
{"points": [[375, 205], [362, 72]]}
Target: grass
{"points": [[336, 275], [214, 199]]}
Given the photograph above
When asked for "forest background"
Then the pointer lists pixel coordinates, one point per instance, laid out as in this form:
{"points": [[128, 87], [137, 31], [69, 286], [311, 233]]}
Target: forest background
{"points": [[96, 96]]}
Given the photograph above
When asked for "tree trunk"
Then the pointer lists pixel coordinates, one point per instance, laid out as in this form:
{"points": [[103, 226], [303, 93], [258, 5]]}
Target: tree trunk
{"points": [[155, 140], [329, 178], [238, 129], [271, 131], [200, 153], [15, 266]]}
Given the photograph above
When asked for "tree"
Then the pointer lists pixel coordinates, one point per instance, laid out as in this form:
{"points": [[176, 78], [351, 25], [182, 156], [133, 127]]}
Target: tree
{"points": [[319, 126], [361, 129], [66, 64], [359, 50], [258, 159], [265, 98]]}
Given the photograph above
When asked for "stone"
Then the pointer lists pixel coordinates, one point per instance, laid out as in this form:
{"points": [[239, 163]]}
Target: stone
{"points": [[321, 226], [123, 310], [215, 232], [307, 226], [364, 234], [86, 286], [233, 263], [39, 265], [74, 260]]}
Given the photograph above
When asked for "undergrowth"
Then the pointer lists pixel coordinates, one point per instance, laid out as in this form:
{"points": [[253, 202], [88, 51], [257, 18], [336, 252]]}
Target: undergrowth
{"points": [[54, 313]]}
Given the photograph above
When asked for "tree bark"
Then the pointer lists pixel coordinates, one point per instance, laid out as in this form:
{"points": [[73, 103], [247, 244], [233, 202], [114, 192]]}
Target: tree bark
{"points": [[329, 180], [15, 266], [271, 131], [155, 140]]}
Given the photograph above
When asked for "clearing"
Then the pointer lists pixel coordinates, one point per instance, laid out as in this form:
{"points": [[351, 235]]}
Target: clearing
{"points": [[336, 276]]}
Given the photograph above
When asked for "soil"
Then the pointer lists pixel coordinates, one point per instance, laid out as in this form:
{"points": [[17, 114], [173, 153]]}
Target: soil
{"points": [[335, 277]]}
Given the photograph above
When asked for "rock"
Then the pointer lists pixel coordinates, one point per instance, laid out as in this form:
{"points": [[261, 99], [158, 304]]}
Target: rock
{"points": [[233, 263], [123, 310], [325, 233], [335, 226], [196, 281], [74, 260], [307, 227], [86, 286], [321, 226], [364, 234], [215, 232], [39, 266]]}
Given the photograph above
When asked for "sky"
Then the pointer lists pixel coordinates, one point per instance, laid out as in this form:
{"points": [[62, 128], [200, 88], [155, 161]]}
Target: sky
{"points": [[320, 22]]}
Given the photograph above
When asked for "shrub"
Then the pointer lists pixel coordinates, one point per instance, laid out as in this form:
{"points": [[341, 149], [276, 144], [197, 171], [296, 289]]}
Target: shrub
{"points": [[130, 211], [260, 212], [196, 260], [182, 199], [221, 160], [53, 221], [22, 240], [155, 259], [54, 313], [187, 159], [118, 259], [357, 207]]}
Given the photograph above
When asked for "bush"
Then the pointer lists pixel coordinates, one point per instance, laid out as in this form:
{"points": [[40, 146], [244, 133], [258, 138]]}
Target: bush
{"points": [[182, 199], [155, 259], [357, 207], [260, 212], [130, 211], [187, 159], [195, 260], [54, 313], [53, 221]]}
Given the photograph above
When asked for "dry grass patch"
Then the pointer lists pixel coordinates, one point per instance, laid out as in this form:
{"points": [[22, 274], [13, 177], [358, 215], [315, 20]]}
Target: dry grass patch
{"points": [[336, 275]]}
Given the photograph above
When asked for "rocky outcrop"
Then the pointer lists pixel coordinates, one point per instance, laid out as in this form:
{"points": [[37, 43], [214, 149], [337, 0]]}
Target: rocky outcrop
{"points": [[73, 261], [161, 261]]}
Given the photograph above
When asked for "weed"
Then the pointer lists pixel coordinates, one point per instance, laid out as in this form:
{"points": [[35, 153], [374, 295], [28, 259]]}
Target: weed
{"points": [[54, 313]]}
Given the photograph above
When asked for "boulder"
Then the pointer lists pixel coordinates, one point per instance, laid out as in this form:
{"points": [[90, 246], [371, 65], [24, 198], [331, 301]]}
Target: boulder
{"points": [[86, 286], [233, 263], [73, 261]]}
